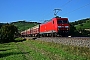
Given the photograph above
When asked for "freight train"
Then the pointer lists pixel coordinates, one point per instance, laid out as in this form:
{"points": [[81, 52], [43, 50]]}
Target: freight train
{"points": [[57, 26]]}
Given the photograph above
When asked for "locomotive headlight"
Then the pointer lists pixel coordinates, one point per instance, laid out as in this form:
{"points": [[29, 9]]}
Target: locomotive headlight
{"points": [[59, 26], [66, 26]]}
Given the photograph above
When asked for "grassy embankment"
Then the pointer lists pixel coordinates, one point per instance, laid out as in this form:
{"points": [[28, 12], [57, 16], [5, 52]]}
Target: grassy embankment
{"points": [[39, 50]]}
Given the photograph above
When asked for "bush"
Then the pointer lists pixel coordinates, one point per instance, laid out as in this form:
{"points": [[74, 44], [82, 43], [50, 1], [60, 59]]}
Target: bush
{"points": [[7, 33]]}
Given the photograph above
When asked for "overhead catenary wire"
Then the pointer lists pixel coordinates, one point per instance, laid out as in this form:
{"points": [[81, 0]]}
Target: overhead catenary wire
{"points": [[61, 7], [76, 9], [66, 3]]}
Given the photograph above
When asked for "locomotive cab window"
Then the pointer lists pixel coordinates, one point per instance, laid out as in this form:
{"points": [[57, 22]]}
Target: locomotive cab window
{"points": [[62, 21], [59, 21], [65, 21]]}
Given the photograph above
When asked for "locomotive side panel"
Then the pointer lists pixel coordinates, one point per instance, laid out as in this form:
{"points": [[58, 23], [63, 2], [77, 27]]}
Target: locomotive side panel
{"points": [[46, 27], [54, 25]]}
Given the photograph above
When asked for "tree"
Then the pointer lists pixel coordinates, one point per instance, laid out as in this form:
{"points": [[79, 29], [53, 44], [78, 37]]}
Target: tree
{"points": [[7, 33], [73, 31]]}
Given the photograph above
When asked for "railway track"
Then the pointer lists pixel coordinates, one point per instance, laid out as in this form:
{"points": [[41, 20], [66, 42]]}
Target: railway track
{"points": [[76, 41]]}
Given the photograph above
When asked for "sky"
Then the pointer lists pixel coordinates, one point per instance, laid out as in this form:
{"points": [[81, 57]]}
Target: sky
{"points": [[40, 10]]}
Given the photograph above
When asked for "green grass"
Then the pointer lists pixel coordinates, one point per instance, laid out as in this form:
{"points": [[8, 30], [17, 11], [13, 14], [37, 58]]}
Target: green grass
{"points": [[40, 50], [10, 51]]}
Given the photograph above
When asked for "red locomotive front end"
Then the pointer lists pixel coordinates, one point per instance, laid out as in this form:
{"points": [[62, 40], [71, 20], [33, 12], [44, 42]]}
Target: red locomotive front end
{"points": [[63, 26]]}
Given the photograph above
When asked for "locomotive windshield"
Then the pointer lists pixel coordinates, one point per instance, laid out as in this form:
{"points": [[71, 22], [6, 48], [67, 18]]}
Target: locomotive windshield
{"points": [[62, 21]]}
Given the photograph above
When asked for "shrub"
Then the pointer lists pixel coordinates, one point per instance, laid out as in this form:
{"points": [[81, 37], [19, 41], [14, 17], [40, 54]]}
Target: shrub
{"points": [[7, 33]]}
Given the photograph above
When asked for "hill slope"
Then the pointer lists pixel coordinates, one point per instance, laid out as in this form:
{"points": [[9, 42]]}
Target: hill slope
{"points": [[83, 23], [22, 25], [80, 27]]}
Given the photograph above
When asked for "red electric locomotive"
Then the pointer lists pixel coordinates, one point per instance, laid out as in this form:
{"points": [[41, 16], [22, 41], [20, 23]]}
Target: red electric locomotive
{"points": [[56, 26]]}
